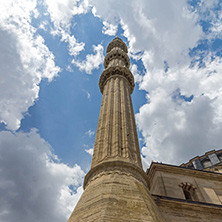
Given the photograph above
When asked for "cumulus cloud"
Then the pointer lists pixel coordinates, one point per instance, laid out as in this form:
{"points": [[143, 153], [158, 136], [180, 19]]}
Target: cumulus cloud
{"points": [[137, 76], [74, 47], [24, 60], [89, 151], [109, 29], [182, 116], [25, 50], [158, 27], [210, 12], [87, 94], [93, 61], [61, 13], [34, 184]]}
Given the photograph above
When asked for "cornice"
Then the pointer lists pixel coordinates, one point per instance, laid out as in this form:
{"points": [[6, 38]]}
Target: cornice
{"points": [[181, 203], [117, 54], [181, 171], [113, 71], [115, 166], [202, 156]]}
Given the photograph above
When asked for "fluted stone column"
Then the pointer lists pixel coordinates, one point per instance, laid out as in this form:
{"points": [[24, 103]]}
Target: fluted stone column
{"points": [[116, 185]]}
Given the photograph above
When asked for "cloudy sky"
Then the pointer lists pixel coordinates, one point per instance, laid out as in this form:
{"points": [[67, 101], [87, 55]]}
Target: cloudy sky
{"points": [[51, 57]]}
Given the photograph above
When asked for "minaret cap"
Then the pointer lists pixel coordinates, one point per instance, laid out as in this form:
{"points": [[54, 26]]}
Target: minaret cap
{"points": [[117, 42]]}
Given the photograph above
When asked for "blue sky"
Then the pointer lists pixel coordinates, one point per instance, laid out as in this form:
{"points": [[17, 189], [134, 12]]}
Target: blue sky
{"points": [[51, 57]]}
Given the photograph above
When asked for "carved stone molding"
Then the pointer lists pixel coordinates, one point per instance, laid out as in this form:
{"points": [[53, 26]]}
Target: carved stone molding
{"points": [[117, 54], [188, 187], [207, 175], [115, 167], [116, 70], [117, 42]]}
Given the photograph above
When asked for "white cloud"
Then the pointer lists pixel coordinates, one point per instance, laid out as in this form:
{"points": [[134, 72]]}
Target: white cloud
{"points": [[159, 27], [24, 61], [137, 76], [93, 61], [109, 29], [175, 130], [162, 32], [43, 25], [34, 185], [61, 13], [69, 69], [214, 17], [205, 5], [90, 133], [88, 95], [89, 151], [217, 27], [74, 47]]}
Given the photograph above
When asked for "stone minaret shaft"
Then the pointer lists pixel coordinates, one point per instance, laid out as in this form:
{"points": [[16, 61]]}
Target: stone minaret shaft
{"points": [[116, 187], [116, 136]]}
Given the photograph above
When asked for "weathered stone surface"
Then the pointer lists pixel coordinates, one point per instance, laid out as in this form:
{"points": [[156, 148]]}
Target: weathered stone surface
{"points": [[177, 211], [116, 195], [167, 184]]}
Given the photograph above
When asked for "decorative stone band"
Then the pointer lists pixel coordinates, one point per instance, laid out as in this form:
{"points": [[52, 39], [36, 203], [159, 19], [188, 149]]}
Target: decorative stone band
{"points": [[117, 43], [188, 187], [113, 71], [117, 54], [118, 167]]}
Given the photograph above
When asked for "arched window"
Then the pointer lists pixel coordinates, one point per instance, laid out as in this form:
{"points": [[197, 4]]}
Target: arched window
{"points": [[188, 191], [187, 195]]}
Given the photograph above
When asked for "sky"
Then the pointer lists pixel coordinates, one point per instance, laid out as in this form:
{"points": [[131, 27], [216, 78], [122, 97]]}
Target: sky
{"points": [[51, 58]]}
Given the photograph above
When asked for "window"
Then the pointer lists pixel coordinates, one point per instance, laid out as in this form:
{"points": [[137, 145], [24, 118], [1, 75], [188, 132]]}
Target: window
{"points": [[207, 163], [188, 191], [220, 157], [187, 195], [213, 159], [197, 164]]}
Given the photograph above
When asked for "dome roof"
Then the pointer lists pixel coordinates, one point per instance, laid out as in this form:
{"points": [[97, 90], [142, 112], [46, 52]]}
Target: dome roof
{"points": [[117, 42]]}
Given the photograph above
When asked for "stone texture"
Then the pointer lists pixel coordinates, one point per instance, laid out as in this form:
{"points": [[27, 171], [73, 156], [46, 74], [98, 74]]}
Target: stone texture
{"points": [[166, 183], [117, 192], [177, 211], [116, 133]]}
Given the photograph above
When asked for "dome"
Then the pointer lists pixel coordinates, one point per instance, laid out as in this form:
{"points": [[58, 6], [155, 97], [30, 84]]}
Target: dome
{"points": [[117, 42]]}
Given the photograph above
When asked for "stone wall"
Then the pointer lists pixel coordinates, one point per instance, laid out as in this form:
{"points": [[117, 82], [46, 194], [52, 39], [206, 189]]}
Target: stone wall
{"points": [[186, 194], [181, 211]]}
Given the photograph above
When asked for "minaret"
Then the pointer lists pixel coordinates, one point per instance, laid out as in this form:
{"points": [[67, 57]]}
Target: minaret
{"points": [[116, 185]]}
